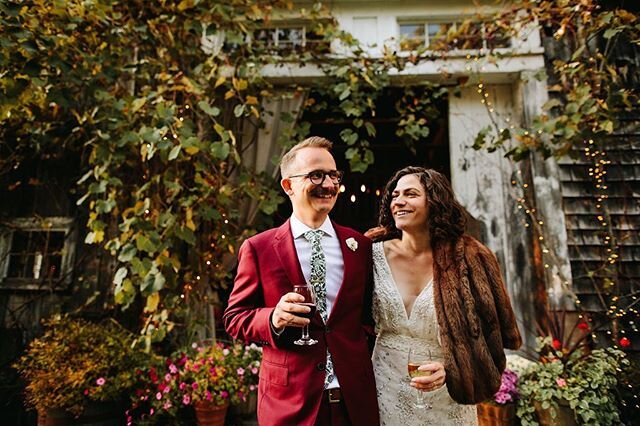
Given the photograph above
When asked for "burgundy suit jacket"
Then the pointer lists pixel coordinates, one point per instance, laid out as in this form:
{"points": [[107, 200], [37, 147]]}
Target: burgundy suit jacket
{"points": [[291, 376]]}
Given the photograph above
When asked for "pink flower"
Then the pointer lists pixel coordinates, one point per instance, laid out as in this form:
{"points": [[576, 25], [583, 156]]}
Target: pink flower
{"points": [[182, 386], [561, 382], [194, 386], [101, 381], [166, 405], [240, 371], [208, 396], [224, 394], [159, 396], [86, 392], [254, 370], [173, 369], [151, 412], [252, 387], [167, 377], [186, 400]]}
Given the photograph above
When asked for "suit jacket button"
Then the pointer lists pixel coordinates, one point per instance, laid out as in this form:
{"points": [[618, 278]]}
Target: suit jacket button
{"points": [[320, 366], [327, 330]]}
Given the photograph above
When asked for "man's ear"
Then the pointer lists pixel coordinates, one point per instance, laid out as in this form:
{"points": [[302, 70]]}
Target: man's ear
{"points": [[286, 186]]}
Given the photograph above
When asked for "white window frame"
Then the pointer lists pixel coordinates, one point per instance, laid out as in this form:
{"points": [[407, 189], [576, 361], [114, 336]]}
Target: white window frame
{"points": [[26, 224], [425, 22]]}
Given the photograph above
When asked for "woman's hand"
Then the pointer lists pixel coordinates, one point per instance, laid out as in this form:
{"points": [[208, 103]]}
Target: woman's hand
{"points": [[433, 381]]}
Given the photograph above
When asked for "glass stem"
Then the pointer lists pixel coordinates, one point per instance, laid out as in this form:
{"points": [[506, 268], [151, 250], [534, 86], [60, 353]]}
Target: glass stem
{"points": [[305, 332], [419, 399]]}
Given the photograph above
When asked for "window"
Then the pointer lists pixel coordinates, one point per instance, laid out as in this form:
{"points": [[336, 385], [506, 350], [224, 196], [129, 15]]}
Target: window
{"points": [[282, 39], [36, 253], [450, 35], [289, 38]]}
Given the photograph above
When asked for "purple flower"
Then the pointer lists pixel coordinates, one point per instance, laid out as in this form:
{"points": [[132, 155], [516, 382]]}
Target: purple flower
{"points": [[508, 391]]}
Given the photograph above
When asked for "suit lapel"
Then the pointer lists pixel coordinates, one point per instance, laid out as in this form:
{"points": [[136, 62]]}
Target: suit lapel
{"points": [[286, 251]]}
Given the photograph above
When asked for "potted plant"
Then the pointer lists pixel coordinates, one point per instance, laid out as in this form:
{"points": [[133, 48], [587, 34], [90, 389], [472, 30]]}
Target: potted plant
{"points": [[246, 360], [501, 409], [75, 364], [205, 377], [570, 383]]}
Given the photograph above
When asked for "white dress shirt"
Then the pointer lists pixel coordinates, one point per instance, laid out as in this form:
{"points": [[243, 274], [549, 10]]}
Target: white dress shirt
{"points": [[332, 253], [333, 256]]}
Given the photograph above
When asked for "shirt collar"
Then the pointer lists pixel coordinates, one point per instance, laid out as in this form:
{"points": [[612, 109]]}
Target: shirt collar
{"points": [[298, 228]]}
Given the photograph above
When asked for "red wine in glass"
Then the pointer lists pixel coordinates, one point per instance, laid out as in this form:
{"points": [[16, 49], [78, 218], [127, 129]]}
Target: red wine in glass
{"points": [[309, 300]]}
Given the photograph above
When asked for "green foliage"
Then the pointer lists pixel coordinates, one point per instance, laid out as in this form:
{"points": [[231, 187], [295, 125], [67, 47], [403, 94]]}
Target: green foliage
{"points": [[586, 380], [590, 88], [77, 361]]}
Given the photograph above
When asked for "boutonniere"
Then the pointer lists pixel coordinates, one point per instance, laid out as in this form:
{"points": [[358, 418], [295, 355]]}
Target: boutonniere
{"points": [[352, 244]]}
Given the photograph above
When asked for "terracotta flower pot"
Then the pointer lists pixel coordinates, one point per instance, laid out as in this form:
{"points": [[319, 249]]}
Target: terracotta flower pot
{"points": [[210, 414], [496, 415]]}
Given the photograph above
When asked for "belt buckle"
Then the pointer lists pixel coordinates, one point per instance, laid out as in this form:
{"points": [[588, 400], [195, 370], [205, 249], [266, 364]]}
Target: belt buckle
{"points": [[334, 395]]}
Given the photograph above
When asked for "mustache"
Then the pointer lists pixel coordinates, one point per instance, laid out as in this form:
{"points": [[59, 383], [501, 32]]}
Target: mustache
{"points": [[321, 192]]}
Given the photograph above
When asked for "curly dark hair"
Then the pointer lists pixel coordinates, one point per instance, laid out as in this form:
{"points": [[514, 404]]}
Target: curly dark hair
{"points": [[446, 216]]}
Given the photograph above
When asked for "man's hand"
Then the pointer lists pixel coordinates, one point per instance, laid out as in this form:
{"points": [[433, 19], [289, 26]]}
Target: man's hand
{"points": [[286, 313]]}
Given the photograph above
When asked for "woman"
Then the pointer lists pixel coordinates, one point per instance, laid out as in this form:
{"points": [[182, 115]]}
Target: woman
{"points": [[437, 290]]}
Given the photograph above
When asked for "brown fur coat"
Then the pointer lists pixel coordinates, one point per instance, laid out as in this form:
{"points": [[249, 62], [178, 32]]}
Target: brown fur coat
{"points": [[475, 318]]}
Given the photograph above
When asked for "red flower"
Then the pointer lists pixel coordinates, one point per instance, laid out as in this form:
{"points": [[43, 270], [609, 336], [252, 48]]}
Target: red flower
{"points": [[153, 375], [557, 344], [624, 342], [582, 325]]}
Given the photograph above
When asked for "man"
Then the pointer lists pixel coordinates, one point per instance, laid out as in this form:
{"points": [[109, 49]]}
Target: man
{"points": [[331, 382]]}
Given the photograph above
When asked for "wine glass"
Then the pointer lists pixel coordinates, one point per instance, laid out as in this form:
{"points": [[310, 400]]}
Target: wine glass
{"points": [[414, 360], [306, 290]]}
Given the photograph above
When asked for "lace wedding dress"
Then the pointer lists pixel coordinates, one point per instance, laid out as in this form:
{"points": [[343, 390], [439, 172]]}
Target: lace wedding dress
{"points": [[396, 333]]}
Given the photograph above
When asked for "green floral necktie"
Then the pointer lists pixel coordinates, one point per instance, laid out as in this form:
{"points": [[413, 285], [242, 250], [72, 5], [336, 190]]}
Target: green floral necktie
{"points": [[318, 281]]}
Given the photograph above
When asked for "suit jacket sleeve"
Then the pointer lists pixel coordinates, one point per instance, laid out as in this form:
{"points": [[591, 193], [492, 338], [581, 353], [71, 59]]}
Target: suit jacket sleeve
{"points": [[246, 317], [511, 338]]}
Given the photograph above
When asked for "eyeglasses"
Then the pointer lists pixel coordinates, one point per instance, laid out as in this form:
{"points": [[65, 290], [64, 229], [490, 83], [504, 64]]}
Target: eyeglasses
{"points": [[317, 176]]}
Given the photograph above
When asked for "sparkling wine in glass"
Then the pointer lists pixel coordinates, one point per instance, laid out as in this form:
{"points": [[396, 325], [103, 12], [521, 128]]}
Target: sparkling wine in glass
{"points": [[414, 360], [309, 295]]}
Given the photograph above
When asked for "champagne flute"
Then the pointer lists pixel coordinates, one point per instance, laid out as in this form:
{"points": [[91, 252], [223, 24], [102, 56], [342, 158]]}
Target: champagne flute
{"points": [[306, 290], [414, 360]]}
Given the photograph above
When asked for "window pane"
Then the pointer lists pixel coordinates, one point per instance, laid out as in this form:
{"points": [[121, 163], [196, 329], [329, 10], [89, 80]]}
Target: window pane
{"points": [[36, 254], [438, 35], [411, 36]]}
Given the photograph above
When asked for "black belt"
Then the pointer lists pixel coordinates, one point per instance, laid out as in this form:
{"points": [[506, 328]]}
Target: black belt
{"points": [[333, 395]]}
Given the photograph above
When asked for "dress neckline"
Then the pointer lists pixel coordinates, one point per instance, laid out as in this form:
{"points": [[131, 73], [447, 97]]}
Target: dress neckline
{"points": [[392, 281]]}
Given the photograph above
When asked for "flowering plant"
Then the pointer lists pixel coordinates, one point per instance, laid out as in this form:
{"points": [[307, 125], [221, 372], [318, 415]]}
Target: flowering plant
{"points": [[508, 392], [77, 361], [568, 372], [218, 373]]}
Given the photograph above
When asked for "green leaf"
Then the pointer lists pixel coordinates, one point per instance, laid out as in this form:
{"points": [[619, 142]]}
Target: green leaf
{"points": [[121, 274], [175, 151], [220, 150], [127, 253], [137, 104], [186, 235], [209, 110]]}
